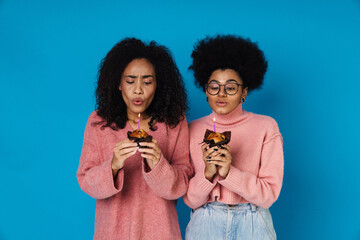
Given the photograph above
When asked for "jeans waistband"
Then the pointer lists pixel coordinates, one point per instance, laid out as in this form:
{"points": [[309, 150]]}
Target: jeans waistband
{"points": [[235, 207]]}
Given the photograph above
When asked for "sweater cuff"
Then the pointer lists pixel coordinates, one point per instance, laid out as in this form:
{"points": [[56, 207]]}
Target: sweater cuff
{"points": [[158, 172], [119, 180], [113, 185], [203, 184], [232, 179]]}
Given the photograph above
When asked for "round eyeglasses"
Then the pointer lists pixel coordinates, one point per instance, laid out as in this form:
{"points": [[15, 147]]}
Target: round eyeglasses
{"points": [[230, 88]]}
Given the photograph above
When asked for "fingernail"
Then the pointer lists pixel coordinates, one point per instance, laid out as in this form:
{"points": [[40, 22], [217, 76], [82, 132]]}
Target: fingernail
{"points": [[215, 149], [208, 157], [208, 161]]}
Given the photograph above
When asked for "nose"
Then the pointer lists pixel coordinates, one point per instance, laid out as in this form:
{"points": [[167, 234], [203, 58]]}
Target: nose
{"points": [[222, 92], [138, 88]]}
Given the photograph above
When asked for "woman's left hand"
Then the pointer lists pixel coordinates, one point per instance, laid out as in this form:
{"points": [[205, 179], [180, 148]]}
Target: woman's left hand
{"points": [[223, 160], [151, 152]]}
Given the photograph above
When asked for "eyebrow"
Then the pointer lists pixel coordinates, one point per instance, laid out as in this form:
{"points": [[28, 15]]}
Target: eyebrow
{"points": [[229, 80], [145, 76], [130, 76]]}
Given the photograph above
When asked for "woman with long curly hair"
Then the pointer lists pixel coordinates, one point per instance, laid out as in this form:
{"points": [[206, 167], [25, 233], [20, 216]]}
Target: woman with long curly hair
{"points": [[136, 185], [235, 182]]}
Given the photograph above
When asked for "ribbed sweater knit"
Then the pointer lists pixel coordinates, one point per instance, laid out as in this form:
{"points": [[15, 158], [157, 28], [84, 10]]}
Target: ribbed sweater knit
{"points": [[136, 204], [257, 166]]}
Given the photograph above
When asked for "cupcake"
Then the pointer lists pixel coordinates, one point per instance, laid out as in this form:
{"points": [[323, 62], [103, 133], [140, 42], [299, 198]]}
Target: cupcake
{"points": [[139, 135], [216, 139]]}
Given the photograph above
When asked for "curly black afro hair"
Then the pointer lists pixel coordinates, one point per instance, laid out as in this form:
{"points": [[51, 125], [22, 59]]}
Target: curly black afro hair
{"points": [[170, 100], [228, 52]]}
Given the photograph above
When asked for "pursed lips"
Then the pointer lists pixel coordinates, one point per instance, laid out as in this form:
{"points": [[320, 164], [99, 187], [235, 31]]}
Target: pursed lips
{"points": [[221, 103], [137, 101]]}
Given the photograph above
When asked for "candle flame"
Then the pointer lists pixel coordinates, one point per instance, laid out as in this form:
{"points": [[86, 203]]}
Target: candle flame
{"points": [[139, 115], [214, 119]]}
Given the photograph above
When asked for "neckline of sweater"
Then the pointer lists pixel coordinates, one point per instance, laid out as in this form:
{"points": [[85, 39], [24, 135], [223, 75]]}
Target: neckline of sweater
{"points": [[236, 116]]}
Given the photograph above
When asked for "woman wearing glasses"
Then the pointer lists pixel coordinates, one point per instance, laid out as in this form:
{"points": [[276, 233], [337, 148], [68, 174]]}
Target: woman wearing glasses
{"points": [[234, 185]]}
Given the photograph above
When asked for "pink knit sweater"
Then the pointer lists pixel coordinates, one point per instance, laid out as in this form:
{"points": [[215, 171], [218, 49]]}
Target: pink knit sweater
{"points": [[136, 204], [256, 171]]}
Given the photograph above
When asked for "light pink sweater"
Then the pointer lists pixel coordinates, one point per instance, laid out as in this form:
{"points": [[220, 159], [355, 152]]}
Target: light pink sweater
{"points": [[137, 204], [256, 171]]}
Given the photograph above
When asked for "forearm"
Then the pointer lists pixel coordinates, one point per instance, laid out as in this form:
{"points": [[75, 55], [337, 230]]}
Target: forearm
{"points": [[98, 181], [261, 191], [199, 191], [166, 180]]}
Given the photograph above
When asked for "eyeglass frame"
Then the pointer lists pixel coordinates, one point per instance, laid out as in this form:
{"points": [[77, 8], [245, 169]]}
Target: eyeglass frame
{"points": [[207, 86]]}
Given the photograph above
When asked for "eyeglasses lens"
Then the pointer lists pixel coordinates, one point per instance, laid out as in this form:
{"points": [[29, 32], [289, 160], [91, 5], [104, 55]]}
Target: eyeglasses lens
{"points": [[230, 88]]}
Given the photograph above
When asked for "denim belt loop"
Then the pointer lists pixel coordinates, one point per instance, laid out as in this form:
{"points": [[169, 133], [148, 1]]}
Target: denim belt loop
{"points": [[253, 207]]}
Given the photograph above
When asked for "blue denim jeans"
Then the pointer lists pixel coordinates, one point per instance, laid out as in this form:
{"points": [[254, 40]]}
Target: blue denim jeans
{"points": [[222, 221]]}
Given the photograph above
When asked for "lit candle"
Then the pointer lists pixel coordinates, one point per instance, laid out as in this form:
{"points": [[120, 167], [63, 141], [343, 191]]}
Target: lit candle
{"points": [[139, 121], [214, 125]]}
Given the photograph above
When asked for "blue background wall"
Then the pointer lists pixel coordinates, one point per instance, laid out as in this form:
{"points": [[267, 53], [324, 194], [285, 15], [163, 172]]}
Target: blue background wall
{"points": [[49, 55]]}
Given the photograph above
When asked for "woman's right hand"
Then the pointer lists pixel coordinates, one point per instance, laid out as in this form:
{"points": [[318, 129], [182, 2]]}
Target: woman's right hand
{"points": [[210, 168], [122, 151]]}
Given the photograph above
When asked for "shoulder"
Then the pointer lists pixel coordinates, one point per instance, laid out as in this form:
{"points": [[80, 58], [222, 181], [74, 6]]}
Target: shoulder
{"points": [[183, 124], [263, 118], [94, 122], [198, 122], [94, 117], [268, 125], [264, 121], [165, 129]]}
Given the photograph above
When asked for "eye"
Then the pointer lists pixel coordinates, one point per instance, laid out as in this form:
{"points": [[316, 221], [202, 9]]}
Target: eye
{"points": [[129, 82], [148, 82], [231, 87], [213, 86]]}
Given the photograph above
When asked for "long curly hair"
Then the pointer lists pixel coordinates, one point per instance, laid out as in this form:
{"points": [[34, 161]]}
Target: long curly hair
{"points": [[170, 100], [228, 52]]}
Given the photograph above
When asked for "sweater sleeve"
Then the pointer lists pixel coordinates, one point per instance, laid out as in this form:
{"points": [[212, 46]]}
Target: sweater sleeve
{"points": [[199, 190], [199, 187], [264, 189], [95, 174], [169, 178]]}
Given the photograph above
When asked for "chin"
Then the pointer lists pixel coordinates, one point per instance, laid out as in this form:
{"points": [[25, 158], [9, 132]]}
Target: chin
{"points": [[137, 109], [221, 111]]}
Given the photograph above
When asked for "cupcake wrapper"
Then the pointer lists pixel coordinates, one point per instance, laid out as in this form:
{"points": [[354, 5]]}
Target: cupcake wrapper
{"points": [[138, 140]]}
